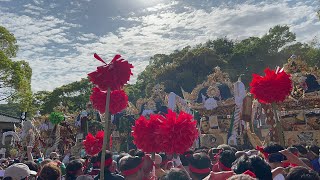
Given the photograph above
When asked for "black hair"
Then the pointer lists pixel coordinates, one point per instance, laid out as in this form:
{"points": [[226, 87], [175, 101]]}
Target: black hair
{"points": [[140, 154], [200, 161], [94, 159], [227, 157], [273, 148], [107, 156], [32, 166], [164, 159], [255, 164], [185, 157], [302, 173], [129, 162], [72, 168], [274, 155], [132, 152], [302, 150], [176, 174], [293, 149]]}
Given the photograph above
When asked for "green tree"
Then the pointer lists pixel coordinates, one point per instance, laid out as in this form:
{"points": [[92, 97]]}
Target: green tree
{"points": [[15, 76], [190, 66], [75, 96]]}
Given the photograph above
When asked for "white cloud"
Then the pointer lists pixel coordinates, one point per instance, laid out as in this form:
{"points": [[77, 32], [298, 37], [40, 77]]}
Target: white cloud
{"points": [[160, 29]]}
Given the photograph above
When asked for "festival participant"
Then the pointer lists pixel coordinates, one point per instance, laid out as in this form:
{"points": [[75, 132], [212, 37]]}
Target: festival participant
{"points": [[273, 155], [213, 154], [199, 166], [121, 155], [131, 167], [113, 168], [54, 156], [294, 151], [159, 172], [50, 171], [74, 169], [302, 173], [95, 166], [44, 162], [241, 177], [108, 163], [313, 156], [164, 160], [176, 174], [32, 166], [169, 165], [226, 158], [136, 167], [84, 177], [302, 150], [258, 166], [185, 159], [18, 171]]}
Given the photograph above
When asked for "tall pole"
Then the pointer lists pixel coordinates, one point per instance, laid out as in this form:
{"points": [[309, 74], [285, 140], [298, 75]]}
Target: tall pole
{"points": [[106, 136], [279, 129]]}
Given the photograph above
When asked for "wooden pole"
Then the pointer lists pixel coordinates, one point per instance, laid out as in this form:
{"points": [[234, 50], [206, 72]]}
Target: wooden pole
{"points": [[279, 129], [106, 136]]}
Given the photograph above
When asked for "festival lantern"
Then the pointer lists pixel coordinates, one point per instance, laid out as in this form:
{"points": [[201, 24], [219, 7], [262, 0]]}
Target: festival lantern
{"points": [[272, 88], [107, 78]]}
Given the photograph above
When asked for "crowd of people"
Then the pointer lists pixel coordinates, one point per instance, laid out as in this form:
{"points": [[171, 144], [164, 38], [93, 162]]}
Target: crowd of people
{"points": [[272, 162]]}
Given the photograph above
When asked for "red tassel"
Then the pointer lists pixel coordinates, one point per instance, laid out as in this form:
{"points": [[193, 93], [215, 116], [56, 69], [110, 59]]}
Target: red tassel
{"points": [[178, 132], [114, 75], [146, 133], [99, 58], [93, 144], [272, 88], [118, 100]]}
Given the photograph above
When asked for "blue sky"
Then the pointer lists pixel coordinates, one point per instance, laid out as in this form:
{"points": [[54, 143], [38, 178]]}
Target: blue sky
{"points": [[59, 37]]}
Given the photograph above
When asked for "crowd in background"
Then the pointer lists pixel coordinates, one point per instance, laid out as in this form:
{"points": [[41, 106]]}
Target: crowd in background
{"points": [[272, 162]]}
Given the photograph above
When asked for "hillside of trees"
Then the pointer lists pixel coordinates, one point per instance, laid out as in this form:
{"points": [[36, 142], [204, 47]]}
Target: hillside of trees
{"points": [[190, 66]]}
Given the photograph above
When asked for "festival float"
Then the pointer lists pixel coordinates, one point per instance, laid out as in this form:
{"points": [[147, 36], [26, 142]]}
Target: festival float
{"points": [[220, 103], [299, 113]]}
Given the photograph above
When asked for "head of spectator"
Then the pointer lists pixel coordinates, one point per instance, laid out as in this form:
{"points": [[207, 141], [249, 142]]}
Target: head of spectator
{"points": [[200, 166], [176, 174], [74, 169], [50, 171], [302, 173], [18, 171]]}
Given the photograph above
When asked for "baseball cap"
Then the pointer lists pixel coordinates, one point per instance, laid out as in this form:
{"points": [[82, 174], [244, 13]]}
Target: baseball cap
{"points": [[18, 171]]}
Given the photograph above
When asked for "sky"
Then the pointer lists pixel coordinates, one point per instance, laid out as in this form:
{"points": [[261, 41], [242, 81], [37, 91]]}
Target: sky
{"points": [[58, 37]]}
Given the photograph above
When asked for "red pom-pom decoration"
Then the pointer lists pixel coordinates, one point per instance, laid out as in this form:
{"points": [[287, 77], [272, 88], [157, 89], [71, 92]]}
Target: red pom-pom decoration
{"points": [[93, 144], [145, 133], [178, 133], [274, 87], [113, 75], [118, 100]]}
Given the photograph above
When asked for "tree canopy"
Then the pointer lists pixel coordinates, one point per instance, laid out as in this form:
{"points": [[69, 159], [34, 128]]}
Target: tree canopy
{"points": [[75, 96], [182, 68], [15, 76], [190, 66]]}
